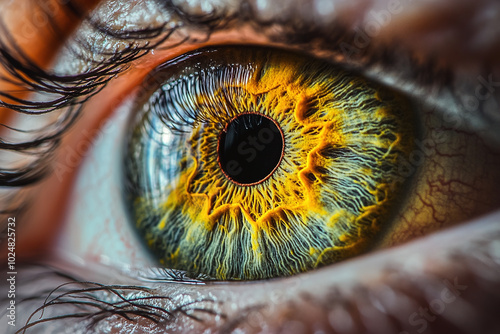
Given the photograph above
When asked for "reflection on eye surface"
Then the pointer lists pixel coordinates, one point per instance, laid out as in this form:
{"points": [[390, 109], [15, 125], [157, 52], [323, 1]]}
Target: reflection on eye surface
{"points": [[423, 286]]}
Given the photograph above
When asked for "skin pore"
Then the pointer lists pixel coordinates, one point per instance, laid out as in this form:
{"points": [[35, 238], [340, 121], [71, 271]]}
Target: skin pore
{"points": [[446, 281]]}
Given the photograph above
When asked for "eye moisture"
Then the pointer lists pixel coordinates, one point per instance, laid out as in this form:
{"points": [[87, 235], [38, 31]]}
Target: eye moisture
{"points": [[250, 148], [252, 163]]}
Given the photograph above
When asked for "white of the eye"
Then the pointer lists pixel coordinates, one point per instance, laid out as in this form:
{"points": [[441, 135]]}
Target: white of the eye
{"points": [[96, 227]]}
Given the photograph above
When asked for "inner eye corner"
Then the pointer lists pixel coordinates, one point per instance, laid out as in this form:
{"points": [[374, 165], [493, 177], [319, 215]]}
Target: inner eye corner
{"points": [[253, 159]]}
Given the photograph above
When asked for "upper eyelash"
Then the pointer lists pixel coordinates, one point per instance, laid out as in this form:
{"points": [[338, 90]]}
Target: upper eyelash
{"points": [[69, 92], [72, 91]]}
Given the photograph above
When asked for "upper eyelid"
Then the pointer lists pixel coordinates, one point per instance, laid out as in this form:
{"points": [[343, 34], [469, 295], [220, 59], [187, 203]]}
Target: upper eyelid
{"points": [[105, 70], [426, 79], [372, 61], [209, 22], [66, 94]]}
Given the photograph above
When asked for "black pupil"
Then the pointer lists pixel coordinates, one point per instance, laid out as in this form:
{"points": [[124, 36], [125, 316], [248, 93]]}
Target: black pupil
{"points": [[250, 148]]}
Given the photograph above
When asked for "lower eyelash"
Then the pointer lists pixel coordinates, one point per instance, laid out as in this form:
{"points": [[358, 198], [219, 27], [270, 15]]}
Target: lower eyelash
{"points": [[166, 275], [97, 305], [468, 275]]}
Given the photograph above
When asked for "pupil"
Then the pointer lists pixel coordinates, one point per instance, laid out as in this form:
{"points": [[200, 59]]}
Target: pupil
{"points": [[250, 148]]}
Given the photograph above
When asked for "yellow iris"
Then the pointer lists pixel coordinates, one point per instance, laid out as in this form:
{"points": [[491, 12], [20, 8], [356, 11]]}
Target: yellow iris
{"points": [[331, 193]]}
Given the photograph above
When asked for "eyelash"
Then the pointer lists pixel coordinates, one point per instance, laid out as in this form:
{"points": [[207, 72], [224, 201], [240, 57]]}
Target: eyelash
{"points": [[73, 95], [70, 91], [96, 302], [74, 90], [472, 266]]}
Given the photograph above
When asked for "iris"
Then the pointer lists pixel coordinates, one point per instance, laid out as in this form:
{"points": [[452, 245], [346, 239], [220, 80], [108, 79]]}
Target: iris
{"points": [[251, 163]]}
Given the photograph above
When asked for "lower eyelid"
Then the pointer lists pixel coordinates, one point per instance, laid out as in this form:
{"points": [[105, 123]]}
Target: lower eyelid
{"points": [[400, 281], [455, 283]]}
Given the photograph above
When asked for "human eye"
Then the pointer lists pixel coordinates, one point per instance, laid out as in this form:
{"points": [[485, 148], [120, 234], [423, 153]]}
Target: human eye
{"points": [[413, 288]]}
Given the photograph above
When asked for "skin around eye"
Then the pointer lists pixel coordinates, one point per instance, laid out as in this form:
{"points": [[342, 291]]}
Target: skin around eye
{"points": [[34, 35], [422, 217]]}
